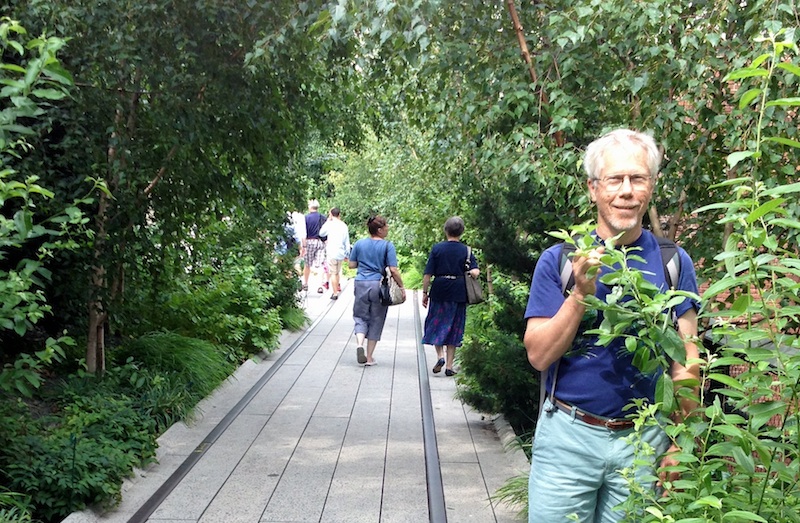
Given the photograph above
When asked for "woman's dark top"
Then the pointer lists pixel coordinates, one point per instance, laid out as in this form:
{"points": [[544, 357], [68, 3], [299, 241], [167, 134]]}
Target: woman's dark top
{"points": [[446, 265]]}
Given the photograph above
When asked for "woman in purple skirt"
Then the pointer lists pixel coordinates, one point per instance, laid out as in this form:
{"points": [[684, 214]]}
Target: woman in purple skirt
{"points": [[444, 276]]}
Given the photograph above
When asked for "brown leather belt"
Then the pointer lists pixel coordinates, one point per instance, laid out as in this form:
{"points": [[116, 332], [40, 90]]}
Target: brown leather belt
{"points": [[590, 419]]}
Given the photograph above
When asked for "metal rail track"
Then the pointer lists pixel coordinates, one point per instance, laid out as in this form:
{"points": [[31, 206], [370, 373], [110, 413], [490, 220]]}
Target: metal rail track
{"points": [[437, 511]]}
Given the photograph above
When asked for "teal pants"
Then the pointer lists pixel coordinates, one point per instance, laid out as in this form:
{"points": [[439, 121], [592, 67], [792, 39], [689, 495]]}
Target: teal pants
{"points": [[575, 469]]}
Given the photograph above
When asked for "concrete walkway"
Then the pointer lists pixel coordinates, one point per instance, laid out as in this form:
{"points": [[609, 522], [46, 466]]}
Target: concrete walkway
{"points": [[308, 435]]}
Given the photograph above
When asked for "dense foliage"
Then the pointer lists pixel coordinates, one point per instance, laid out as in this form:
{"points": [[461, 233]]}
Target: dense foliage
{"points": [[496, 376], [183, 135], [86, 433], [149, 153], [739, 454]]}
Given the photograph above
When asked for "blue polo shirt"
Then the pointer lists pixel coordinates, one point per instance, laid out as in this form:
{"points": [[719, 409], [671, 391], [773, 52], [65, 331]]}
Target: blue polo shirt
{"points": [[595, 378], [372, 257]]}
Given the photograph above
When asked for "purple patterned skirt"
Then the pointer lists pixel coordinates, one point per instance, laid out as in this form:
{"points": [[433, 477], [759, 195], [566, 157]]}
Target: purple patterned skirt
{"points": [[445, 322]]}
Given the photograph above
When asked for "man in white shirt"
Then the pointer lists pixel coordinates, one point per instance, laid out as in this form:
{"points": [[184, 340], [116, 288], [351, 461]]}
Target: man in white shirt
{"points": [[298, 225], [337, 248]]}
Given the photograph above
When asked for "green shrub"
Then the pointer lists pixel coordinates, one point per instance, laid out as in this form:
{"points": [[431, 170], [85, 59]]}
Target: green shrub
{"points": [[78, 458], [74, 444], [514, 493], [14, 507], [14, 515], [412, 278], [229, 308], [162, 396], [200, 366], [165, 399], [739, 457], [497, 377], [293, 318]]}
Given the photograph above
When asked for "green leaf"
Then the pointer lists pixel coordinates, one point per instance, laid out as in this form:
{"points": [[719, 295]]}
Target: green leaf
{"points": [[12, 67], [761, 413], [737, 515], [638, 83], [783, 141], [744, 460], [741, 304], [726, 361], [749, 72], [21, 129], [665, 392], [785, 222], [724, 284], [23, 222], [727, 381], [764, 209], [733, 159], [672, 344], [339, 12], [712, 207], [707, 501], [788, 66], [55, 72], [783, 102], [748, 97], [727, 430], [760, 59], [782, 189], [742, 180], [49, 94]]}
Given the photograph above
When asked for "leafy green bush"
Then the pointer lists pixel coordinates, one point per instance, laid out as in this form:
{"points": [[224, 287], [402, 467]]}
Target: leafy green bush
{"points": [[293, 318], [739, 458], [14, 507], [74, 444], [78, 457], [230, 308], [162, 396], [412, 275], [33, 81], [199, 365], [497, 377]]}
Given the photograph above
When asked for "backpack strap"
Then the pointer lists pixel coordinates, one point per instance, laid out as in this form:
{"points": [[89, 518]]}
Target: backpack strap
{"points": [[567, 283], [671, 260], [565, 268]]}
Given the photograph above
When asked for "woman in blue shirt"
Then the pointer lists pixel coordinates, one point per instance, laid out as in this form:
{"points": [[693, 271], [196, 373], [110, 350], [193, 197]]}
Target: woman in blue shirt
{"points": [[370, 256], [447, 315]]}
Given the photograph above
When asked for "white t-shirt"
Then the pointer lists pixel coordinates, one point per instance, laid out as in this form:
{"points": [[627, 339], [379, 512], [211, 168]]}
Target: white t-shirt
{"points": [[299, 226], [338, 245]]}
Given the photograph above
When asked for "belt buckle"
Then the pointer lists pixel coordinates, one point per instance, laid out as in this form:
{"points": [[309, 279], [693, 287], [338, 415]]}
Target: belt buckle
{"points": [[614, 423]]}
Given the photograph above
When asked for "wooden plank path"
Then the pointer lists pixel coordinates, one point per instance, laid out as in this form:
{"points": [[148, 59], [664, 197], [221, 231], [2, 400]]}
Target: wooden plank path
{"points": [[308, 435]]}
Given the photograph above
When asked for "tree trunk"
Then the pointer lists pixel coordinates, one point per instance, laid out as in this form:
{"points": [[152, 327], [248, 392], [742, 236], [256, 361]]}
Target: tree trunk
{"points": [[95, 346], [98, 292], [526, 55]]}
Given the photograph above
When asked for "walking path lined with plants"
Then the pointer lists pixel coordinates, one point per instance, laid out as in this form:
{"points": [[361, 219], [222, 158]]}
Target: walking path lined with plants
{"points": [[310, 435]]}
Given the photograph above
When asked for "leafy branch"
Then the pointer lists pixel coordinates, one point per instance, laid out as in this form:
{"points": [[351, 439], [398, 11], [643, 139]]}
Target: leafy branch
{"points": [[739, 455]]}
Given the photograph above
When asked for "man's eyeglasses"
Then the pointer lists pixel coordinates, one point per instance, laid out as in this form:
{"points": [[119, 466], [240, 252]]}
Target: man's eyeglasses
{"points": [[614, 183]]}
